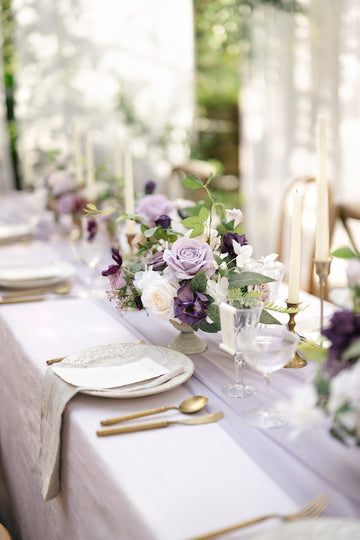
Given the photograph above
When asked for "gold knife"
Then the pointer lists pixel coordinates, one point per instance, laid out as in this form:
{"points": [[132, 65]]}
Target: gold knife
{"points": [[206, 419]]}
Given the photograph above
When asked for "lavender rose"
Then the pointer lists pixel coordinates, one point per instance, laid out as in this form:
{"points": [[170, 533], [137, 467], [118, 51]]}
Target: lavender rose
{"points": [[187, 257], [66, 203], [190, 306], [157, 261], [153, 206]]}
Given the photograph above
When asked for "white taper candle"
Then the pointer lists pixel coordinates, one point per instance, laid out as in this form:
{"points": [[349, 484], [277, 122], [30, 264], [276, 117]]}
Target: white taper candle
{"points": [[295, 250]]}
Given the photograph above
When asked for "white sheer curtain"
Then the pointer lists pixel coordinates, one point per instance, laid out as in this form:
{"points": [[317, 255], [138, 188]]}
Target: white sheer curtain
{"points": [[74, 56], [300, 65]]}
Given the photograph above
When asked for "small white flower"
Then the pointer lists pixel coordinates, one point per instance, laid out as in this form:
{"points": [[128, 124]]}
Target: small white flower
{"points": [[204, 237], [243, 253], [223, 266], [218, 289], [302, 409], [339, 391], [269, 259], [236, 215]]}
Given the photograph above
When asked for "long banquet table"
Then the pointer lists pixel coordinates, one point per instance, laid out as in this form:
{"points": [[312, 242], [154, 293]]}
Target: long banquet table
{"points": [[166, 484]]}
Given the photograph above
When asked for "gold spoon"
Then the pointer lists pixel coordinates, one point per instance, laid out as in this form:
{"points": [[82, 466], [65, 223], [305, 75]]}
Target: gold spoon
{"points": [[208, 418], [188, 406]]}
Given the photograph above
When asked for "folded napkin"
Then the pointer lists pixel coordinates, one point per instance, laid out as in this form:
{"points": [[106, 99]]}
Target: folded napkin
{"points": [[56, 394]]}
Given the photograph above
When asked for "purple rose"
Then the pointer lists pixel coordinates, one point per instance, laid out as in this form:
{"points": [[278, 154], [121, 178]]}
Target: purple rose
{"points": [[344, 329], [150, 187], [157, 261], [189, 306], [153, 206], [163, 221], [227, 243], [113, 268], [187, 257], [91, 228]]}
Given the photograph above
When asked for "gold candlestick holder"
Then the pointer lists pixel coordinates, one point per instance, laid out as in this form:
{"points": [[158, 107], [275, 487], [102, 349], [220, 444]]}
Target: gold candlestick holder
{"points": [[297, 361], [322, 269]]}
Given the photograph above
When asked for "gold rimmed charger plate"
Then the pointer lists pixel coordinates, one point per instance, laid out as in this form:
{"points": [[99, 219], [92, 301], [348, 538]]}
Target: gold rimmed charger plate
{"points": [[124, 353]]}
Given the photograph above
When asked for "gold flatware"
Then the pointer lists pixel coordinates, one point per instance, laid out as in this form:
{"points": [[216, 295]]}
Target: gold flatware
{"points": [[55, 360], [313, 509], [61, 289], [206, 419], [188, 406]]}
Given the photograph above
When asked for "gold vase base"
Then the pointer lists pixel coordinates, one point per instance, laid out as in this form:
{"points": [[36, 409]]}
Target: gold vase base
{"points": [[296, 362]]}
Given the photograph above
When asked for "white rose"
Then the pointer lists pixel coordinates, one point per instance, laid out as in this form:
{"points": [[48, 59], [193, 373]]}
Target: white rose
{"points": [[159, 297], [236, 215], [144, 279]]}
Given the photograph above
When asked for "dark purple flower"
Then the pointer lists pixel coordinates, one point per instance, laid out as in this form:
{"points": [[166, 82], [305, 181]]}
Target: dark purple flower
{"points": [[227, 243], [91, 228], [344, 329], [150, 187], [157, 261], [138, 302], [113, 268], [163, 221], [190, 306]]}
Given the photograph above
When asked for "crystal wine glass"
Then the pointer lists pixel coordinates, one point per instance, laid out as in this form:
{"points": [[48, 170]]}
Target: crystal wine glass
{"points": [[91, 245], [246, 315], [268, 349]]}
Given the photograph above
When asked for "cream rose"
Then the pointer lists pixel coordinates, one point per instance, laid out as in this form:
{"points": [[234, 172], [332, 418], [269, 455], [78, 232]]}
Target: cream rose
{"points": [[159, 297]]}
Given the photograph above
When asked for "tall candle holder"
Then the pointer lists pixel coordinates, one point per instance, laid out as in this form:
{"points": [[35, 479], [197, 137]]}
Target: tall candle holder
{"points": [[297, 361], [322, 268]]}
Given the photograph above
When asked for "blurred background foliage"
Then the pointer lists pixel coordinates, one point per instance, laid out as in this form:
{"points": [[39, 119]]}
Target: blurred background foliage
{"points": [[222, 43]]}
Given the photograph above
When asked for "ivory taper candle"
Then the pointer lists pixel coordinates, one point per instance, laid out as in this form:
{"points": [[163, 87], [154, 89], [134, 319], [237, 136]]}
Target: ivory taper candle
{"points": [[90, 172], [118, 158], [295, 250], [129, 189], [78, 158], [322, 204]]}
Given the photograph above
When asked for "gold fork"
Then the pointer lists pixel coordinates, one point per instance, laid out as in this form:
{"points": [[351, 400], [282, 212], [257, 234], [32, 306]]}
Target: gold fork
{"points": [[313, 509]]}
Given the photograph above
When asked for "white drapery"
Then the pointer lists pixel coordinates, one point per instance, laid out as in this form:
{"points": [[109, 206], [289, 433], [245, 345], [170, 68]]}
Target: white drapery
{"points": [[75, 56], [300, 65]]}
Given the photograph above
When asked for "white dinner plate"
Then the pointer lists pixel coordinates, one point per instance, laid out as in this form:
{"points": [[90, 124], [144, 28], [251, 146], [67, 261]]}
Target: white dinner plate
{"points": [[13, 233], [124, 353], [35, 275], [313, 529]]}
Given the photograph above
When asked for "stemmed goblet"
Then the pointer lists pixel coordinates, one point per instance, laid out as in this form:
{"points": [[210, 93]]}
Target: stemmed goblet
{"points": [[268, 349], [237, 316]]}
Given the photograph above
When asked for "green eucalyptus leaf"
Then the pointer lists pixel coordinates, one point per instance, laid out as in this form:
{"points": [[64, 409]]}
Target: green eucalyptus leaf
{"points": [[322, 383], [192, 181], [199, 282]]}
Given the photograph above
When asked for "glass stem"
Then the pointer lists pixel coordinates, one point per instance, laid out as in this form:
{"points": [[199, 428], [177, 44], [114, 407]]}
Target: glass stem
{"points": [[239, 363], [266, 392]]}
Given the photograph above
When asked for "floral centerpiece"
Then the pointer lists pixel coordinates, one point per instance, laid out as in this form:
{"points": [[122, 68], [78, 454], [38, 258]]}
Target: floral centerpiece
{"points": [[181, 267], [334, 395]]}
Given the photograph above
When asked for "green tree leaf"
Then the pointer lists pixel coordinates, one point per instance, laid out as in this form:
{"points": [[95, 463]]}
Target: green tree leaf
{"points": [[213, 313], [210, 328], [192, 181], [203, 214], [199, 282], [191, 222], [197, 231], [312, 351], [344, 253], [150, 232]]}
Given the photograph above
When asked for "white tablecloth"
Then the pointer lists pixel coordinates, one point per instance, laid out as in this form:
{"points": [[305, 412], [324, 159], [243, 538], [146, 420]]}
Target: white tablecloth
{"points": [[164, 484]]}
